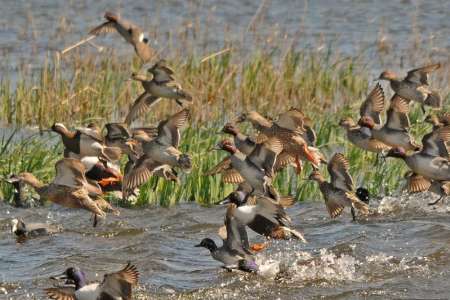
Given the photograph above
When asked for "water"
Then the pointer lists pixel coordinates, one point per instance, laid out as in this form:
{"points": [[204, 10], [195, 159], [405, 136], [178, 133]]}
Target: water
{"points": [[402, 253], [29, 30]]}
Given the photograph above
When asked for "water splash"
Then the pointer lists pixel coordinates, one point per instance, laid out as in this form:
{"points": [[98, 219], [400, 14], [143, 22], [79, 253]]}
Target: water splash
{"points": [[412, 203]]}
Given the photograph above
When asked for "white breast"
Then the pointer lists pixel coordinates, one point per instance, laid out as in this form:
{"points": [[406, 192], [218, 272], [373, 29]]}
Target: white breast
{"points": [[245, 214], [88, 292]]}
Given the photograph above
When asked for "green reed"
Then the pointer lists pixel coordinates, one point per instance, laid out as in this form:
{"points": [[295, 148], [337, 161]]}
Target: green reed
{"points": [[78, 89]]}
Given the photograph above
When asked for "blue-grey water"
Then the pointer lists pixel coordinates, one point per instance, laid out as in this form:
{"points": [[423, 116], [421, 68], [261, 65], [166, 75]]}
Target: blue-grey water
{"points": [[403, 253]]}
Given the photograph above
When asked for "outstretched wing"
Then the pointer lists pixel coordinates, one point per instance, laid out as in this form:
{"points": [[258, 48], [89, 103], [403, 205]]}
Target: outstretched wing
{"points": [[420, 75], [338, 167], [169, 130], [373, 106]]}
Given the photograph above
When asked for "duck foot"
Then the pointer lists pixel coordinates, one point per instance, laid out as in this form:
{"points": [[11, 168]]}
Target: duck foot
{"points": [[298, 164], [258, 247]]}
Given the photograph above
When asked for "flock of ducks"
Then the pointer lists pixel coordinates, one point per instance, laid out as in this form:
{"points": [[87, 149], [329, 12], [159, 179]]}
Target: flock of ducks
{"points": [[90, 167]]}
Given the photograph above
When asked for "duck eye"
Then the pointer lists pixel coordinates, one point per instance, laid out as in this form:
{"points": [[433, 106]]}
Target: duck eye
{"points": [[130, 31]]}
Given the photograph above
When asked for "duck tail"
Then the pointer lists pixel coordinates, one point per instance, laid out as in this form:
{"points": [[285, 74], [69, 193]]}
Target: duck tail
{"points": [[434, 99], [112, 153], [286, 201]]}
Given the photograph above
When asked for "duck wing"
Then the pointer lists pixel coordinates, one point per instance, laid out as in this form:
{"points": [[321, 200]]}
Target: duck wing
{"points": [[264, 155], [119, 284], [420, 75], [397, 114], [272, 211], [293, 120], [338, 167], [117, 130], [140, 106], [70, 172], [169, 130], [92, 133], [61, 293], [373, 106], [434, 143], [141, 172]]}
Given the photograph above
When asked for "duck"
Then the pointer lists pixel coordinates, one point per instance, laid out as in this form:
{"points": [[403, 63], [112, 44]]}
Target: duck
{"points": [[117, 285], [415, 86], [246, 189], [292, 142], [85, 142], [160, 85], [339, 192], [431, 163], [160, 153], [132, 33], [263, 215], [106, 174], [232, 254], [19, 197], [438, 121], [256, 169], [394, 132], [24, 230], [70, 188], [244, 143], [295, 119], [361, 136]]}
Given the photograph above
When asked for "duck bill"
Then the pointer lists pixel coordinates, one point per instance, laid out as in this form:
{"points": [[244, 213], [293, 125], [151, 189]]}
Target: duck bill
{"points": [[59, 277], [198, 245], [225, 200]]}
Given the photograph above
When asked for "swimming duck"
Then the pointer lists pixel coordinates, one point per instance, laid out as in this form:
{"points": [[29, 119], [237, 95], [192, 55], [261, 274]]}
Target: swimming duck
{"points": [[130, 32], [263, 215], [70, 188], [160, 153], [339, 192], [415, 86], [293, 144], [85, 142], [232, 253], [256, 169], [160, 85], [23, 230], [432, 161], [394, 132], [361, 136], [117, 285], [19, 197]]}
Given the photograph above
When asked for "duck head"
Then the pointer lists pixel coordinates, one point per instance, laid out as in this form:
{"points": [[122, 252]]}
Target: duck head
{"points": [[59, 128], [347, 123], [387, 75], [366, 121], [226, 145], [208, 244], [18, 227], [73, 275], [139, 77], [237, 197], [229, 128], [185, 161], [363, 194], [398, 152]]}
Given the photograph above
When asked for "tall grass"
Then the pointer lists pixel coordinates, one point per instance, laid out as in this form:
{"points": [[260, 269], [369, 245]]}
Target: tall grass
{"points": [[78, 89]]}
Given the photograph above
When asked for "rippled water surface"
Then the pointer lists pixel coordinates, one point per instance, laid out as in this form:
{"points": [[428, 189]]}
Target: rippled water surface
{"points": [[400, 253]]}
